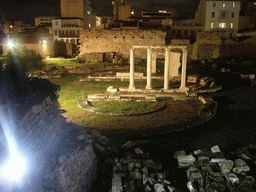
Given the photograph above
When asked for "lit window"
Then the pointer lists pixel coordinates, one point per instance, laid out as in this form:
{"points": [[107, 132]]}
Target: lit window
{"points": [[222, 25], [223, 4], [213, 14], [89, 25], [212, 25], [132, 12], [214, 4], [254, 3], [232, 14], [233, 4], [231, 25], [10, 26], [88, 12]]}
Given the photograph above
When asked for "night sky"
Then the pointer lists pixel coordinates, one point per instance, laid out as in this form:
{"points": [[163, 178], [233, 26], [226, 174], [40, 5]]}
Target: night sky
{"points": [[27, 10]]}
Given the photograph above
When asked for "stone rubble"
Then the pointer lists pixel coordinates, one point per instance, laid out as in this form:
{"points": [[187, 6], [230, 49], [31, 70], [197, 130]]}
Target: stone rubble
{"points": [[205, 171]]}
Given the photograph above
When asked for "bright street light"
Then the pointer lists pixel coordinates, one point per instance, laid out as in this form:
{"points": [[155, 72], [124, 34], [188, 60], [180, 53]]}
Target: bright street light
{"points": [[10, 44]]}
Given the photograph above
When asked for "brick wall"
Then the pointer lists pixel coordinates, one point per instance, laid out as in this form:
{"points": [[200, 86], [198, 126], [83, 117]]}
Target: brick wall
{"points": [[119, 41]]}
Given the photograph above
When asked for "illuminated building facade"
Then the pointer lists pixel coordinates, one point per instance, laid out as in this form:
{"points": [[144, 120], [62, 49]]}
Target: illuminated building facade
{"points": [[218, 16]]}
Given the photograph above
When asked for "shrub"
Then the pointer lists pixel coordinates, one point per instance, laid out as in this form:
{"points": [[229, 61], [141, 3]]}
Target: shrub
{"points": [[24, 60]]}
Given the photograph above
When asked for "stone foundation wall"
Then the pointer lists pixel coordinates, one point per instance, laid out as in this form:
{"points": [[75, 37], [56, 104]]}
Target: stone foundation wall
{"points": [[48, 148], [119, 41]]}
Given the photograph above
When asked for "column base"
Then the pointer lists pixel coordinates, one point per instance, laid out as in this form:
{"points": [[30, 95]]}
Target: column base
{"points": [[183, 89], [148, 87], [131, 87]]}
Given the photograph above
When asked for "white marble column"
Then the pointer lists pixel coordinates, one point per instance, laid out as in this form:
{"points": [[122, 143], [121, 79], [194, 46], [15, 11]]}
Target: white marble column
{"points": [[154, 56], [149, 68], [166, 68], [131, 86], [184, 68]]}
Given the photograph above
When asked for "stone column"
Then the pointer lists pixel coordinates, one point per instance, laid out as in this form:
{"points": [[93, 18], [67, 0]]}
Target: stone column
{"points": [[184, 67], [149, 68], [131, 86], [154, 56], [166, 68]]}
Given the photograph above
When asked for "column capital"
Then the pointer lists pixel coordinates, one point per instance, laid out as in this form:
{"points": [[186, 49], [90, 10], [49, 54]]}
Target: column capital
{"points": [[184, 50], [132, 49], [167, 49]]}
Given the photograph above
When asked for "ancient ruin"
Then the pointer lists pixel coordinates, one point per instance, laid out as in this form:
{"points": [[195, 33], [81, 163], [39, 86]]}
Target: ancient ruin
{"points": [[169, 65]]}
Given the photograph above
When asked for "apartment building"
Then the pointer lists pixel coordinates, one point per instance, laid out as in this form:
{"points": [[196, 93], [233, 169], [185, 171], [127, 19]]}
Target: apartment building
{"points": [[217, 15], [77, 9]]}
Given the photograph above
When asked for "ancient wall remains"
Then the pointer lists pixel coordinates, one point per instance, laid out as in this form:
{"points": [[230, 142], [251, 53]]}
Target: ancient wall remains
{"points": [[119, 41], [54, 160], [207, 46], [231, 48]]}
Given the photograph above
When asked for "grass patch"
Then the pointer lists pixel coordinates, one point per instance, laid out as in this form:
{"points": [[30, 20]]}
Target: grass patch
{"points": [[122, 106]]}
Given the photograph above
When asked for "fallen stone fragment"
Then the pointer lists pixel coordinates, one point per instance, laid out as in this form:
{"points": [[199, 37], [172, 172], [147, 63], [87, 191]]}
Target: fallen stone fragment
{"points": [[239, 163], [190, 187], [151, 181], [226, 166], [135, 174], [232, 178], [147, 188], [138, 151], [245, 157], [241, 169], [179, 153], [185, 160], [145, 170], [171, 189], [202, 160], [195, 176], [197, 151], [159, 187], [166, 182], [99, 147], [216, 160], [117, 184], [215, 149]]}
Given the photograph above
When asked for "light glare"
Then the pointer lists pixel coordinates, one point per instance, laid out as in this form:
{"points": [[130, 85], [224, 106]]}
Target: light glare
{"points": [[15, 167], [10, 44]]}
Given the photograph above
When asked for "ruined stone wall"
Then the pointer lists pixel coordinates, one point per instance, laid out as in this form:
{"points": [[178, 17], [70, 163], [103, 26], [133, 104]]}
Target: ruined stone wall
{"points": [[207, 46], [54, 159], [119, 41], [232, 48]]}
